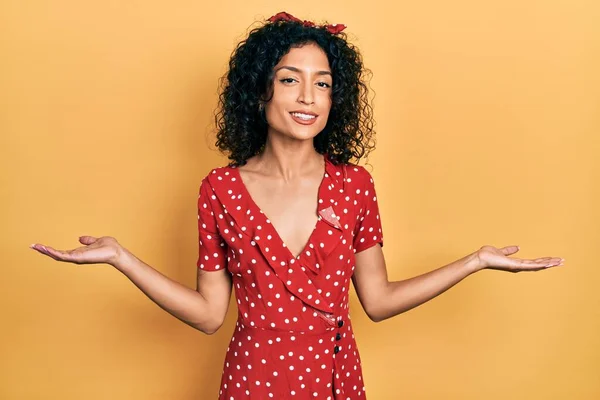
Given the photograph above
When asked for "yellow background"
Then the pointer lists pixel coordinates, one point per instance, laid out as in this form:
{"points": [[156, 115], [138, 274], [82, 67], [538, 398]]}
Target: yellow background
{"points": [[488, 133]]}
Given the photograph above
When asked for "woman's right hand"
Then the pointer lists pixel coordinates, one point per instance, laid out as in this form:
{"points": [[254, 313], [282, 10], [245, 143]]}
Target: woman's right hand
{"points": [[101, 250]]}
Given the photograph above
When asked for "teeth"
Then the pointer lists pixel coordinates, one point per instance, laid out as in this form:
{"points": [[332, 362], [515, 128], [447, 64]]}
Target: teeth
{"points": [[303, 116]]}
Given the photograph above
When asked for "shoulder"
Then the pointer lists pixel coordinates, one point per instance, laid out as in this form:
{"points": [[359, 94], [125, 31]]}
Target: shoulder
{"points": [[357, 175], [215, 181], [218, 175]]}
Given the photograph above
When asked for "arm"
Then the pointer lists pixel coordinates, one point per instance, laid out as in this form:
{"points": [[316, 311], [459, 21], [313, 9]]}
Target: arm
{"points": [[382, 299], [204, 308]]}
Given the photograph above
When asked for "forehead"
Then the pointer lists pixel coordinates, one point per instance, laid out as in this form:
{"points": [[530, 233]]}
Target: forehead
{"points": [[308, 57]]}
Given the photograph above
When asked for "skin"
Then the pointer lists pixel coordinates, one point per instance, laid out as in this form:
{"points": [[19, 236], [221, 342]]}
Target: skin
{"points": [[283, 181]]}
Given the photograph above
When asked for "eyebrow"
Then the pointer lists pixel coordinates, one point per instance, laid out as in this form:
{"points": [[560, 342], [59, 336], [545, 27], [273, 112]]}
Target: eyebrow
{"points": [[299, 70]]}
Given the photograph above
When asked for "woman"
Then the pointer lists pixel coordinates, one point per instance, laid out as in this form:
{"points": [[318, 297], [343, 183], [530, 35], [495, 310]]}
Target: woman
{"points": [[293, 115]]}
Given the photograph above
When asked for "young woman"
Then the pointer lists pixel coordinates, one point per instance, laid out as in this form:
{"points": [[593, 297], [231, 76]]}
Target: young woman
{"points": [[290, 221]]}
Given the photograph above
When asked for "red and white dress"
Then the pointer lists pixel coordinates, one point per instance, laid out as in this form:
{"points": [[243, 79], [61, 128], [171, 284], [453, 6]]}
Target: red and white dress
{"points": [[293, 337]]}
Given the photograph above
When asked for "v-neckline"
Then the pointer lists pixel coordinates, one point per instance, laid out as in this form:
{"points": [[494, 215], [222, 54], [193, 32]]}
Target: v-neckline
{"points": [[257, 207]]}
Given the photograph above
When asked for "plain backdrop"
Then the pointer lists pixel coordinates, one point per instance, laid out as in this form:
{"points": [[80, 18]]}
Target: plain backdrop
{"points": [[487, 133]]}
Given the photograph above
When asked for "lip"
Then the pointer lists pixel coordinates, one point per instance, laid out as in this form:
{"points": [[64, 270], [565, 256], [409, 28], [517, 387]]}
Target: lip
{"points": [[304, 112], [301, 121]]}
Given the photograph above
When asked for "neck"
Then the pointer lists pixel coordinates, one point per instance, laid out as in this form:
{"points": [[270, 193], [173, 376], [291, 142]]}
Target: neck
{"points": [[290, 163]]}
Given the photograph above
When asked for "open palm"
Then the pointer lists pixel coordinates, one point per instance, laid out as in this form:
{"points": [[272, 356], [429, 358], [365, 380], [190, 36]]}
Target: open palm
{"points": [[491, 257], [96, 250]]}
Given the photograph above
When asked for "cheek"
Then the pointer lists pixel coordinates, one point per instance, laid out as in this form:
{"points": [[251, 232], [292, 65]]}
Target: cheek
{"points": [[327, 101], [276, 114], [276, 111], [280, 103], [326, 108]]}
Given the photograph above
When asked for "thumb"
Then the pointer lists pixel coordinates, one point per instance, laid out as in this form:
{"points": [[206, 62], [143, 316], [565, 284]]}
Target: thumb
{"points": [[508, 250], [87, 239]]}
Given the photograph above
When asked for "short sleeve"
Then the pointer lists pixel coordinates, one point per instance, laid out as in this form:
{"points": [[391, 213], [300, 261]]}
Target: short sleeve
{"points": [[368, 228], [212, 255]]}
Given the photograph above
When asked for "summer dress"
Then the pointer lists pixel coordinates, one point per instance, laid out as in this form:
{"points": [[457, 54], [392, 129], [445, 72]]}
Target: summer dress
{"points": [[293, 337]]}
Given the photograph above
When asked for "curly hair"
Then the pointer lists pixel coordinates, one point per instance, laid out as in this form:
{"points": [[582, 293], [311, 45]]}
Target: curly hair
{"points": [[242, 128]]}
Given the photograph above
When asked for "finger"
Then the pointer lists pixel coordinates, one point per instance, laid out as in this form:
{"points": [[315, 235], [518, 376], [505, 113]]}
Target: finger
{"points": [[553, 259], [537, 264], [59, 255], [544, 262], [529, 264], [508, 250], [543, 259], [549, 264], [38, 247], [43, 249], [87, 239], [555, 262], [535, 268]]}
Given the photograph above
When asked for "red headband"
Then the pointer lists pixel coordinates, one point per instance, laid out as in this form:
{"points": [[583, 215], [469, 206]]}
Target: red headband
{"points": [[283, 16]]}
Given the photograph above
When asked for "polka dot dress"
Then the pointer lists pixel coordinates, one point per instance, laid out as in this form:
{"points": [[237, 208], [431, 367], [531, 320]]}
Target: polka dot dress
{"points": [[293, 337]]}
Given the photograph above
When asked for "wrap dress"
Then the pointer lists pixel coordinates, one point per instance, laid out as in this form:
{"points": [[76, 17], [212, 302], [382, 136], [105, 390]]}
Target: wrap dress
{"points": [[293, 336]]}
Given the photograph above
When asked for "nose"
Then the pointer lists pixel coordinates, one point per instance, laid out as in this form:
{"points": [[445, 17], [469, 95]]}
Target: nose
{"points": [[306, 95]]}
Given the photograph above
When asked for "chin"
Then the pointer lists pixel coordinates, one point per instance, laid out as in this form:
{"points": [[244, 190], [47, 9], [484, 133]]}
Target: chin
{"points": [[305, 135]]}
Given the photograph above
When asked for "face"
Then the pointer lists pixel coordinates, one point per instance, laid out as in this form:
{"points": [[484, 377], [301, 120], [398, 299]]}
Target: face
{"points": [[301, 99]]}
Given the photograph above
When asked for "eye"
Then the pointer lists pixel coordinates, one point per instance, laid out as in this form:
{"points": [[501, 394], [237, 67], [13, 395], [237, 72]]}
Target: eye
{"points": [[326, 85], [287, 80]]}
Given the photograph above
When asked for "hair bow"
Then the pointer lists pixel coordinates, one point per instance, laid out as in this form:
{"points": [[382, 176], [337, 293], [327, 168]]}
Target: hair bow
{"points": [[283, 16]]}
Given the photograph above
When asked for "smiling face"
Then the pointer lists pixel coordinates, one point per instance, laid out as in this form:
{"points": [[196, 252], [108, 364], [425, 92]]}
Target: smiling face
{"points": [[301, 99]]}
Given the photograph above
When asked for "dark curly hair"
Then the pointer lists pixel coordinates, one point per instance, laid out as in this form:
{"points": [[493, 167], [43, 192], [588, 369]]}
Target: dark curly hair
{"points": [[242, 128]]}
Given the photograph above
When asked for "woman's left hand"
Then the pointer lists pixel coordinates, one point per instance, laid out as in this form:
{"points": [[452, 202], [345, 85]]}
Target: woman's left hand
{"points": [[491, 257]]}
